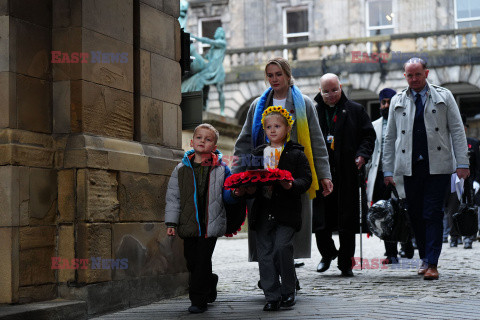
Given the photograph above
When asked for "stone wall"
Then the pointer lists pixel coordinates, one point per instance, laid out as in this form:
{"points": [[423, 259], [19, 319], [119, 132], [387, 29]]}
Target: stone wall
{"points": [[87, 150]]}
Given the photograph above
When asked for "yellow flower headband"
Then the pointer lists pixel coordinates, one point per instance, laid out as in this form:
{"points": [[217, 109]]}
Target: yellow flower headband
{"points": [[280, 110]]}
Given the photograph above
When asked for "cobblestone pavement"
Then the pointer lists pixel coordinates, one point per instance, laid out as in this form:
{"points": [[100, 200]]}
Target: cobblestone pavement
{"points": [[374, 293]]}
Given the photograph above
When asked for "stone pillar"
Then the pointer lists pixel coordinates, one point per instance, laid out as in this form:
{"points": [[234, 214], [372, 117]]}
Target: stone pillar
{"points": [[87, 149]]}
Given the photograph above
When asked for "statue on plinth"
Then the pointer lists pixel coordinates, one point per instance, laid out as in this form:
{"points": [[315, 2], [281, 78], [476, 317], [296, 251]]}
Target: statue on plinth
{"points": [[209, 70]]}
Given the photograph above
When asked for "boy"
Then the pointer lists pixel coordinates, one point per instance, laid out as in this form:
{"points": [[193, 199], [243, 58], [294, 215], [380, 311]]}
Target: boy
{"points": [[195, 211]]}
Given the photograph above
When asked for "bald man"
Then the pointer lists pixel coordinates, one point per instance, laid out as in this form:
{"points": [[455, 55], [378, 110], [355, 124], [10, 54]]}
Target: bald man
{"points": [[350, 140]]}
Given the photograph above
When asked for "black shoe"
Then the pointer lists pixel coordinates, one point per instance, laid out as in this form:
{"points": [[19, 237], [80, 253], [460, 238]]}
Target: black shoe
{"points": [[348, 273], [212, 296], [288, 301], [299, 264], [197, 309], [467, 245], [453, 243], [325, 263], [272, 306], [406, 250]]}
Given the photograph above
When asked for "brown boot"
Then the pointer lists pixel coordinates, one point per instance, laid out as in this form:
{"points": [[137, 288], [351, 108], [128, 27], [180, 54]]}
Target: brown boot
{"points": [[431, 274]]}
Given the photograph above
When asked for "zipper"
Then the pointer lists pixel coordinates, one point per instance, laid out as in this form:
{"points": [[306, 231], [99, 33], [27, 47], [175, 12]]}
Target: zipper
{"points": [[195, 203], [208, 201]]}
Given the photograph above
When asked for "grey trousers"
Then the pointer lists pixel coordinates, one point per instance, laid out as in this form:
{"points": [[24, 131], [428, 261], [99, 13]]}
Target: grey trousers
{"points": [[275, 259]]}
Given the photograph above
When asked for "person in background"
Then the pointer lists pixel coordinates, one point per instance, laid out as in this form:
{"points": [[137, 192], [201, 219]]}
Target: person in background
{"points": [[376, 188], [452, 201]]}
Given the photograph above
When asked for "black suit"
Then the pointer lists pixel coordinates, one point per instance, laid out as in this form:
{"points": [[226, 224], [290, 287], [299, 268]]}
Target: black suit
{"points": [[353, 136]]}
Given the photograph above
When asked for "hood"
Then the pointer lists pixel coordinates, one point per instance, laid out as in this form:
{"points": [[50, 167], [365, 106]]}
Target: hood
{"points": [[188, 156]]}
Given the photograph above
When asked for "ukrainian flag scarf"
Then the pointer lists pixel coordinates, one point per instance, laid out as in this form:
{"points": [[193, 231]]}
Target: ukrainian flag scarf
{"points": [[303, 132]]}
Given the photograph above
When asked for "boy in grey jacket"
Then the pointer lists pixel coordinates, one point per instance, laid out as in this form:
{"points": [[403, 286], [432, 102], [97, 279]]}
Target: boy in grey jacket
{"points": [[195, 211]]}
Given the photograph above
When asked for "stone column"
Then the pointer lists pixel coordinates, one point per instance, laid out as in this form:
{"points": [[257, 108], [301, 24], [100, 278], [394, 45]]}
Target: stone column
{"points": [[87, 150]]}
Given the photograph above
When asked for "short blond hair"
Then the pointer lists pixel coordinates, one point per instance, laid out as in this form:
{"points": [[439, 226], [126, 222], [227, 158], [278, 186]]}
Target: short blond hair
{"points": [[208, 126]]}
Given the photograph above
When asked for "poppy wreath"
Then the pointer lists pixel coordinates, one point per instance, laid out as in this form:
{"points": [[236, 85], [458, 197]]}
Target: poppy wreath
{"points": [[257, 176]]}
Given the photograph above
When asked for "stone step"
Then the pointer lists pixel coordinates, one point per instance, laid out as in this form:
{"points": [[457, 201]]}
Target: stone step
{"points": [[54, 309]]}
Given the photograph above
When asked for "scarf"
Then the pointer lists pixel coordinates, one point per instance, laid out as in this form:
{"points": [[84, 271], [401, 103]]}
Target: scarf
{"points": [[303, 132]]}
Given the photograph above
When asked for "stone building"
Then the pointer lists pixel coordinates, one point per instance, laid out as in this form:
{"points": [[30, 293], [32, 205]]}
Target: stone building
{"points": [[87, 148], [345, 37]]}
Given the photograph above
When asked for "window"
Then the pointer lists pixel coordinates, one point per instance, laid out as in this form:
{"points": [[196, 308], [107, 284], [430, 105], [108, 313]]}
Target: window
{"points": [[295, 25], [379, 17], [207, 28], [468, 13]]}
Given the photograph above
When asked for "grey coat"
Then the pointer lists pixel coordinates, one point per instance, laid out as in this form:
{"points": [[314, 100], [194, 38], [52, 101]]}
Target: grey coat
{"points": [[244, 147], [181, 199], [447, 143]]}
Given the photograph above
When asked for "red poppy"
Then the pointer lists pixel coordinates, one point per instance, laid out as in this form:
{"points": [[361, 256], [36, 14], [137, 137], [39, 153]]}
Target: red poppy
{"points": [[469, 146], [335, 118]]}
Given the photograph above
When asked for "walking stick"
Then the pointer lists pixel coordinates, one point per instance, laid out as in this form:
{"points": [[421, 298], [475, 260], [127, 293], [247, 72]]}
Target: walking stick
{"points": [[360, 184]]}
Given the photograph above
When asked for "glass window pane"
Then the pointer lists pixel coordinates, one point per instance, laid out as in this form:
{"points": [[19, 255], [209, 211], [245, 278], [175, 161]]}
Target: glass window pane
{"points": [[209, 27], [468, 9], [380, 13], [378, 32], [297, 21]]}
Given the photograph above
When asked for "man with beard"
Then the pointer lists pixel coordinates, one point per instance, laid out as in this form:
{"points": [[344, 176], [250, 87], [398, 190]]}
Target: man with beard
{"points": [[376, 188], [350, 139]]}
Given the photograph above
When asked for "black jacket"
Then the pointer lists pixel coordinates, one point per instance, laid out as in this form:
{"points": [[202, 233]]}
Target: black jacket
{"points": [[285, 205], [354, 136]]}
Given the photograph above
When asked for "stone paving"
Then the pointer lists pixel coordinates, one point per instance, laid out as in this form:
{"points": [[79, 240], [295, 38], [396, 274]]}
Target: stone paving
{"points": [[374, 293]]}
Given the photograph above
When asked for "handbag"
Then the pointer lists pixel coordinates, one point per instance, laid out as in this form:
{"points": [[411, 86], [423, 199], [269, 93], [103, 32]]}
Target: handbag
{"points": [[466, 218], [388, 219]]}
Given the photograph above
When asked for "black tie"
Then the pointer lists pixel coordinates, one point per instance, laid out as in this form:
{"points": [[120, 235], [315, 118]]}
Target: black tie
{"points": [[419, 105]]}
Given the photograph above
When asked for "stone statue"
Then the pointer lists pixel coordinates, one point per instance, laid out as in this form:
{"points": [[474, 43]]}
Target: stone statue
{"points": [[209, 71], [183, 14]]}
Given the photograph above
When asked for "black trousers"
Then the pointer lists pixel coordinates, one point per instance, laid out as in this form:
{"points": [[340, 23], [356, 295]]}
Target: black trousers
{"points": [[327, 249], [198, 252]]}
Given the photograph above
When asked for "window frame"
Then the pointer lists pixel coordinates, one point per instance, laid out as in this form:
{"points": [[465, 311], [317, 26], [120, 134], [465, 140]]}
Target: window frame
{"points": [[286, 35], [202, 46], [457, 20], [380, 27]]}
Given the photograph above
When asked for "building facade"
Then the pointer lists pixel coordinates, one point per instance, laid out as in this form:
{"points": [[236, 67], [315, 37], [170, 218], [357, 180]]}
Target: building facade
{"points": [[365, 42]]}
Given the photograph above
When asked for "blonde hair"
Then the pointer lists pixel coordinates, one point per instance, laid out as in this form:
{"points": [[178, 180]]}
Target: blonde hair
{"points": [[208, 126], [282, 64]]}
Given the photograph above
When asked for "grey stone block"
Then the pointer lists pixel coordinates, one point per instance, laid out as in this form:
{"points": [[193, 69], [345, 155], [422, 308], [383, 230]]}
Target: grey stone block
{"points": [[4, 43], [34, 104], [157, 33], [172, 7], [113, 18], [163, 89], [55, 309], [66, 13], [61, 107], [157, 4], [8, 113]]}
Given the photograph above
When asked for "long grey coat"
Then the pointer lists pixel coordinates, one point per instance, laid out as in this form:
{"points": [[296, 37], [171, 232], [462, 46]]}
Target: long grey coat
{"points": [[447, 143], [244, 146]]}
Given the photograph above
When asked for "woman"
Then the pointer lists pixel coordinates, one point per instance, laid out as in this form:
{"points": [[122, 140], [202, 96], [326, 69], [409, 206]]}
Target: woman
{"points": [[305, 131]]}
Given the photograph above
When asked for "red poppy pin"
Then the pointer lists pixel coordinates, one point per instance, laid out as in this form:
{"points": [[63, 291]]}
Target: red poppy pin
{"points": [[335, 118], [469, 146]]}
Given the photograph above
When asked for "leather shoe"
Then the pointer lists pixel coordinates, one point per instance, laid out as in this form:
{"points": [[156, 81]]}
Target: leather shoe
{"points": [[467, 245], [423, 268], [197, 309], [347, 273], [325, 263], [212, 296], [431, 274], [453, 244], [288, 301], [272, 306]]}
